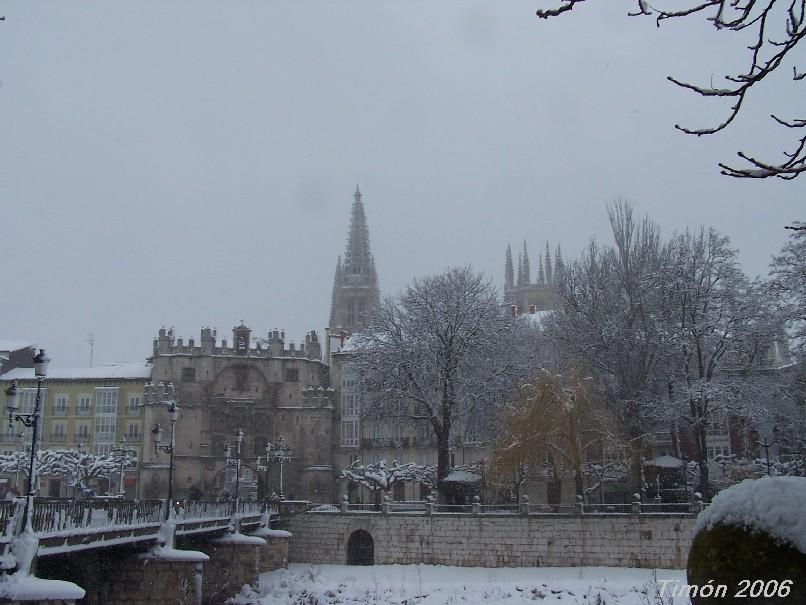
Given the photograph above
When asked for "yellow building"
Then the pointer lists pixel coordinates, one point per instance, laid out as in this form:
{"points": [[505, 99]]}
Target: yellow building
{"points": [[89, 409]]}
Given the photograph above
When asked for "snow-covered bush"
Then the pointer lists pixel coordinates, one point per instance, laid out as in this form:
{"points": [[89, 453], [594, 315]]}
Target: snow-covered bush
{"points": [[756, 531]]}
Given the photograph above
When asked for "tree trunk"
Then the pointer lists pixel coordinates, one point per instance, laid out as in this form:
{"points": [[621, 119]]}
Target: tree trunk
{"points": [[443, 462]]}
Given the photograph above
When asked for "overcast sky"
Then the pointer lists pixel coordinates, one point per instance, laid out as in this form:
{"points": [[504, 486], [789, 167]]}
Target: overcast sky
{"points": [[193, 163]]}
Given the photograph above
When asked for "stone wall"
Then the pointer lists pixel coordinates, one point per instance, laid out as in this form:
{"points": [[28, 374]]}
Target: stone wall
{"points": [[660, 541]]}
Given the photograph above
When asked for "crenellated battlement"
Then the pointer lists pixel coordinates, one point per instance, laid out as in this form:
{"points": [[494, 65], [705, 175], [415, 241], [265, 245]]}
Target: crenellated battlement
{"points": [[243, 344]]}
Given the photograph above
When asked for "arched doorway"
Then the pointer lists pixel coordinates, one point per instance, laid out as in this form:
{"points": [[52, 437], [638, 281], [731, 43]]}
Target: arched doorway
{"points": [[360, 548]]}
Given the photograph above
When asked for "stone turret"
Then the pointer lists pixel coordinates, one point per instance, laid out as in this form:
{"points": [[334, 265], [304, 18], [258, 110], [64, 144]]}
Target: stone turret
{"points": [[276, 343], [313, 348], [208, 336], [240, 339]]}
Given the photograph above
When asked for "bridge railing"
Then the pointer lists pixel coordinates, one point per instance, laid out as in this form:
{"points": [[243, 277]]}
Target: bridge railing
{"points": [[62, 515], [525, 508]]}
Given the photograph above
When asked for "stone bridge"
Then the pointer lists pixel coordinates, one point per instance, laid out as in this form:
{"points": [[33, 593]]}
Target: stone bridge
{"points": [[137, 552]]}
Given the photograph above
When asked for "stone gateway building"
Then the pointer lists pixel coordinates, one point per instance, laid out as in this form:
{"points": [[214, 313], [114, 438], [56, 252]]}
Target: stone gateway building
{"points": [[271, 391]]}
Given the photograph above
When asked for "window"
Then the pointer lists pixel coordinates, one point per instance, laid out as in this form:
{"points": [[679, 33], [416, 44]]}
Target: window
{"points": [[60, 405], [83, 434], [58, 433], [377, 431], [188, 374], [28, 400], [106, 400], [84, 405], [101, 449], [471, 432], [133, 406], [105, 428], [349, 433], [349, 404], [133, 432], [291, 375]]}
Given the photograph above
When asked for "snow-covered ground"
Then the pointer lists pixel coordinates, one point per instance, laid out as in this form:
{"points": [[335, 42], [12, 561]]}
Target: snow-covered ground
{"points": [[304, 584]]}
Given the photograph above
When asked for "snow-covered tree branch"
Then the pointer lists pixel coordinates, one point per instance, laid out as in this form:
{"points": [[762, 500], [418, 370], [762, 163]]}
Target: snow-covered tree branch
{"points": [[446, 346], [77, 467], [767, 33]]}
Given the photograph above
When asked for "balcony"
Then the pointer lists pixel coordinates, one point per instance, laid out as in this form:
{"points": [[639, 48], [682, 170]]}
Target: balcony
{"points": [[386, 442], [660, 437], [58, 437], [85, 411]]}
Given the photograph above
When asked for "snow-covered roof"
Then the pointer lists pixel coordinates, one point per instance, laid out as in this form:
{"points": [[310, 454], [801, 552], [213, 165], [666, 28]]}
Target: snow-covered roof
{"points": [[462, 477], [536, 318], [773, 505], [15, 345], [665, 462], [135, 369]]}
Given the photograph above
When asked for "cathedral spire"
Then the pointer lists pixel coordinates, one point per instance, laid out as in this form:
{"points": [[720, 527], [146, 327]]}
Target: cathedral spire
{"points": [[541, 274], [509, 273], [355, 284], [549, 278], [358, 259], [558, 263], [520, 270], [527, 272]]}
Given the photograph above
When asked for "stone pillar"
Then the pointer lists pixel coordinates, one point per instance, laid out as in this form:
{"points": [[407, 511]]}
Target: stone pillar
{"points": [[636, 504], [235, 560], [124, 577], [525, 506], [275, 554], [147, 580]]}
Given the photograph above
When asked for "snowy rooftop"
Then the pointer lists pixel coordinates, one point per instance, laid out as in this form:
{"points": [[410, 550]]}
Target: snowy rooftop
{"points": [[665, 462], [462, 477], [15, 345], [135, 369]]}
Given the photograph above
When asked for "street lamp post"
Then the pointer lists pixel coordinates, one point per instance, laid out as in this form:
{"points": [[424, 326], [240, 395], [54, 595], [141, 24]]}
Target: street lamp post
{"points": [[164, 394], [20, 450], [279, 453], [41, 362], [228, 451], [121, 451], [766, 444]]}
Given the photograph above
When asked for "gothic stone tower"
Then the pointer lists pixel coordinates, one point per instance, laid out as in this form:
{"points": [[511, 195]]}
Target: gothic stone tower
{"points": [[524, 295], [355, 286]]}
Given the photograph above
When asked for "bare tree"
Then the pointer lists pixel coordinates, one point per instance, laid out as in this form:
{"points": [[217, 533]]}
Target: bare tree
{"points": [[775, 28], [721, 324], [612, 321], [788, 282], [444, 345]]}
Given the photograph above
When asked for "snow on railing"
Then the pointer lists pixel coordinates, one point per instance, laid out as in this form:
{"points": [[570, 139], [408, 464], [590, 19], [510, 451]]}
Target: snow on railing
{"points": [[363, 508], [62, 515], [552, 509], [606, 509], [665, 507], [415, 506], [526, 508], [500, 509], [202, 509]]}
